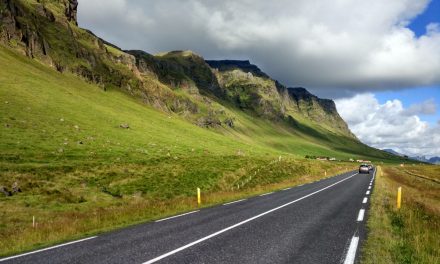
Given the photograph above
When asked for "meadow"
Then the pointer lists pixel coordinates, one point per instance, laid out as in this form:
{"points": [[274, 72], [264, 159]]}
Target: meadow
{"points": [[410, 234]]}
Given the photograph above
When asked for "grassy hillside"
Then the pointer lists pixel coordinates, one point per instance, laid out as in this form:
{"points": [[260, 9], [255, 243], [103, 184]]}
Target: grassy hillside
{"points": [[411, 234], [79, 172]]}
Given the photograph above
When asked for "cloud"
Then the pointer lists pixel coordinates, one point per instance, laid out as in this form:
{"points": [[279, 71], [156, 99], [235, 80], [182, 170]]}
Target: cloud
{"points": [[332, 47], [389, 125], [428, 107]]}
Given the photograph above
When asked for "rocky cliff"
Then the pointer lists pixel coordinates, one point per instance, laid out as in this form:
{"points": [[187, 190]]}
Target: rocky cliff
{"points": [[178, 81], [251, 89]]}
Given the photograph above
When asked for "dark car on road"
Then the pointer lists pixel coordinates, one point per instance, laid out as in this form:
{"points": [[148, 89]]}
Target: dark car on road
{"points": [[364, 168]]}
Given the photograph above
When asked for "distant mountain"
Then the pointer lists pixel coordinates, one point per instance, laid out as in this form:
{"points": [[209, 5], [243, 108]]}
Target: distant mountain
{"points": [[434, 160], [391, 151]]}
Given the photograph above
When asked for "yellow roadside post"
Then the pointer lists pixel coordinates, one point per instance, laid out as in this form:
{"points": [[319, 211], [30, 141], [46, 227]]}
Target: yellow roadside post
{"points": [[399, 197], [199, 198]]}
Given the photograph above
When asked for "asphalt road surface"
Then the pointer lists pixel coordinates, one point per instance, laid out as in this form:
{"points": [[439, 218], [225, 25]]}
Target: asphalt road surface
{"points": [[320, 222]]}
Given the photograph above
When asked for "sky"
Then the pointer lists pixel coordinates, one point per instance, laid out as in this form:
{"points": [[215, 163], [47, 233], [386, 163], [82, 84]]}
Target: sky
{"points": [[379, 60]]}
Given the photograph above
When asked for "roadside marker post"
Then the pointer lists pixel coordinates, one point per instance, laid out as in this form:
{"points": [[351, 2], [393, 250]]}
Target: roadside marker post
{"points": [[199, 198], [399, 197]]}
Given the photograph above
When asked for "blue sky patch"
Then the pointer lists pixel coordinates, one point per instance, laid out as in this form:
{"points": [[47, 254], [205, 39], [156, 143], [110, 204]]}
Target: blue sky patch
{"points": [[431, 15]]}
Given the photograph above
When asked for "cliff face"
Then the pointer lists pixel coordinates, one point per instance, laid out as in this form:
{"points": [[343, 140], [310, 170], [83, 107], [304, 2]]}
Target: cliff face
{"points": [[251, 89], [47, 31]]}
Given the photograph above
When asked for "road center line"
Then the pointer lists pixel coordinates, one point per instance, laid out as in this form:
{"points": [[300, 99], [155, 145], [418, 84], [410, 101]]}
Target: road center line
{"points": [[49, 248], [168, 218], [365, 200], [361, 215], [241, 223], [351, 254], [235, 202]]}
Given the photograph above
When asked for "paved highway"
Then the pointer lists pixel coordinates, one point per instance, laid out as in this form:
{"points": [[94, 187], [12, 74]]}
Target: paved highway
{"points": [[320, 222]]}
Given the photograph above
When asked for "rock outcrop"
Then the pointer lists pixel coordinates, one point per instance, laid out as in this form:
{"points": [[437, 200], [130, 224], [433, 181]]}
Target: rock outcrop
{"points": [[250, 89], [71, 11]]}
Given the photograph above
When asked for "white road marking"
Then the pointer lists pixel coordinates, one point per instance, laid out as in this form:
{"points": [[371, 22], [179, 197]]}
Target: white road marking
{"points": [[369, 187], [235, 202], [287, 189], [264, 194], [168, 218], [367, 193], [365, 200], [361, 215], [240, 223], [351, 254], [49, 248]]}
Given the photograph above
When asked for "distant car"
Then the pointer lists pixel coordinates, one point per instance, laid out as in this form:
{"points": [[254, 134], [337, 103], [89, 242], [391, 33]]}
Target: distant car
{"points": [[364, 168]]}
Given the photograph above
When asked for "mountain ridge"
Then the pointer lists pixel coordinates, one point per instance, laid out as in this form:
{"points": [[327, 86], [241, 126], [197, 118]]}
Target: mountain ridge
{"points": [[154, 77]]}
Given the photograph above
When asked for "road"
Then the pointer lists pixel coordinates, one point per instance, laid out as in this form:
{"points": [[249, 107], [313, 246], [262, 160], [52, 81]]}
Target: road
{"points": [[320, 222]]}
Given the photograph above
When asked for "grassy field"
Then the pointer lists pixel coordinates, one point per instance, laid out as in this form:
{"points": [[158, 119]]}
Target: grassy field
{"points": [[411, 234], [80, 173]]}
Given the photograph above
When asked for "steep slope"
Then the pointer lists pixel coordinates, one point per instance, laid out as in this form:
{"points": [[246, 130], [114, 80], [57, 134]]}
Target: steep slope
{"points": [[180, 81], [250, 88], [230, 97]]}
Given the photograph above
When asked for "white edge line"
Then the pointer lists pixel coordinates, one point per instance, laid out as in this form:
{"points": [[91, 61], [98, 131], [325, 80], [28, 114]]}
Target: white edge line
{"points": [[287, 189], [367, 193], [168, 218], [49, 248], [365, 200], [235, 202], [264, 194], [369, 187], [241, 223], [351, 254], [361, 215]]}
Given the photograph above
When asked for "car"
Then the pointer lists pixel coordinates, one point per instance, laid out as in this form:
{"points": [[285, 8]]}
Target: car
{"points": [[364, 168]]}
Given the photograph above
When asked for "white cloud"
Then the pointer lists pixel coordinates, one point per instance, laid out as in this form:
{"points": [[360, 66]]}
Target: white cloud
{"points": [[428, 107], [318, 44], [390, 125]]}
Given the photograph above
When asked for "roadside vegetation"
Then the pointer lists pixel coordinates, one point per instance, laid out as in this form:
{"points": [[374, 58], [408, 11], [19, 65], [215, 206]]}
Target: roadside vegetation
{"points": [[411, 234]]}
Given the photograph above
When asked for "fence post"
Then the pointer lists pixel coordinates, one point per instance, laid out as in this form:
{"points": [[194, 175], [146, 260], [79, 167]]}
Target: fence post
{"points": [[199, 198], [399, 197]]}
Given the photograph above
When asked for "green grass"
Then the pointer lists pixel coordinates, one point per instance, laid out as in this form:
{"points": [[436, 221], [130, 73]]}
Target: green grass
{"points": [[80, 173], [411, 234]]}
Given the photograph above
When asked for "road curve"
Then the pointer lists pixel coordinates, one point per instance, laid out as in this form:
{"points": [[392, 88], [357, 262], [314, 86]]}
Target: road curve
{"points": [[320, 222]]}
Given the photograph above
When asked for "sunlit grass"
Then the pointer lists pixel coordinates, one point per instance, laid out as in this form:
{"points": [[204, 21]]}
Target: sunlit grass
{"points": [[411, 234]]}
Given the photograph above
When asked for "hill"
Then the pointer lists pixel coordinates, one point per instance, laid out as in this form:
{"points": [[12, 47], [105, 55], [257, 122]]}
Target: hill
{"points": [[93, 137]]}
